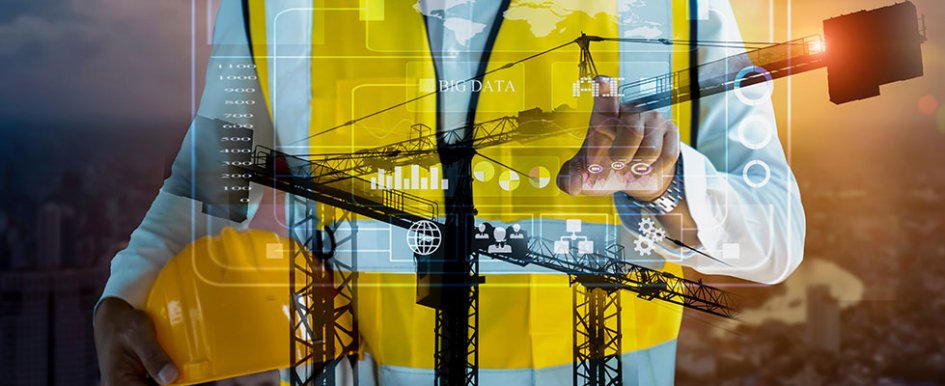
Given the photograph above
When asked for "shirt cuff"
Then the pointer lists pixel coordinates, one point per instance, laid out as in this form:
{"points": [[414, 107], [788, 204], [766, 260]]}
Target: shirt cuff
{"points": [[696, 170]]}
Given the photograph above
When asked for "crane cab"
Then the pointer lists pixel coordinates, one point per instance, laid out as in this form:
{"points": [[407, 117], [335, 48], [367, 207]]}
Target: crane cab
{"points": [[868, 49]]}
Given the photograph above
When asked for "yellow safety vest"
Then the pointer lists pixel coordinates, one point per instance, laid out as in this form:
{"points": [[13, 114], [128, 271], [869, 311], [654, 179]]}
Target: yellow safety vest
{"points": [[371, 59]]}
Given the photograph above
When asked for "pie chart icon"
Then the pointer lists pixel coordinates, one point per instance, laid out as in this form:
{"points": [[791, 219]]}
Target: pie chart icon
{"points": [[509, 180], [483, 171], [539, 177]]}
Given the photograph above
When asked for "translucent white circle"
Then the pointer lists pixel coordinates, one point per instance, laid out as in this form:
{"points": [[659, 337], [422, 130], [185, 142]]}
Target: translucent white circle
{"points": [[641, 169], [757, 184], [595, 168], [764, 126], [617, 165], [740, 92]]}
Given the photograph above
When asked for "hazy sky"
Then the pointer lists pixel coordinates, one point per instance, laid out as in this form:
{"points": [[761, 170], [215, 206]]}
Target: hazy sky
{"points": [[95, 61], [810, 90], [130, 61], [95, 68], [873, 137]]}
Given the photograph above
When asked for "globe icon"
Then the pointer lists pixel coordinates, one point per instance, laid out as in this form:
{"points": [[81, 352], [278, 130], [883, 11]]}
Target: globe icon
{"points": [[424, 238]]}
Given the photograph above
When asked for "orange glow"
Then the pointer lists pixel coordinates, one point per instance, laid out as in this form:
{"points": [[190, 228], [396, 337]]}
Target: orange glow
{"points": [[817, 46], [928, 104]]}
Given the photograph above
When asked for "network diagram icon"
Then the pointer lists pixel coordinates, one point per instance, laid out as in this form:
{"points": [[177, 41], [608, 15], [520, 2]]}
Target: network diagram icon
{"points": [[563, 245], [424, 237]]}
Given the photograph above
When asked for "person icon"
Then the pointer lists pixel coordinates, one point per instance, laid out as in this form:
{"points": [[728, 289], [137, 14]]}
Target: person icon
{"points": [[481, 234], [500, 245], [517, 232], [518, 242], [482, 237]]}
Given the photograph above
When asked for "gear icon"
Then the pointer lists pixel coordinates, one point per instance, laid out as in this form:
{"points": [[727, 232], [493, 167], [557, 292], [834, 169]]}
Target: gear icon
{"points": [[646, 226], [643, 245], [657, 235]]}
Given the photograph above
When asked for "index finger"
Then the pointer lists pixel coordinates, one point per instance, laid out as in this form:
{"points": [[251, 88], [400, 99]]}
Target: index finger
{"points": [[606, 103]]}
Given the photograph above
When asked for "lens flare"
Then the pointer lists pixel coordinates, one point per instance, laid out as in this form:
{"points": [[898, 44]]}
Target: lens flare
{"points": [[817, 46]]}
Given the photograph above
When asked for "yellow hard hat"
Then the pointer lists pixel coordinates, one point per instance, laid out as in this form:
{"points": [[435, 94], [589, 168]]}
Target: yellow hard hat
{"points": [[221, 308]]}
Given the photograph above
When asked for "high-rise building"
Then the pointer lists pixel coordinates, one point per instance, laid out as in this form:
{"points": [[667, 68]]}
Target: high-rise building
{"points": [[823, 319], [54, 234], [46, 327]]}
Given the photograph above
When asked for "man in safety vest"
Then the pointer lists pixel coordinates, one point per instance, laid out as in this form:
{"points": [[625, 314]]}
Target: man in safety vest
{"points": [[308, 76]]}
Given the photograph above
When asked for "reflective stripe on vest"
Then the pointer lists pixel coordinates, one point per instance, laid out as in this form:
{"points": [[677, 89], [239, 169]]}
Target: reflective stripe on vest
{"points": [[366, 59]]}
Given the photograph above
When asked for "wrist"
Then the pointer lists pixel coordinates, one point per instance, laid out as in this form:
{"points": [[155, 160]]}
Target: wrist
{"points": [[648, 197], [108, 307], [663, 181], [665, 199]]}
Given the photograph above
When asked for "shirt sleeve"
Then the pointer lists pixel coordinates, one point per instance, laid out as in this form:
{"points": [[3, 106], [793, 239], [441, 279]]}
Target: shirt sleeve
{"points": [[739, 188], [174, 219]]}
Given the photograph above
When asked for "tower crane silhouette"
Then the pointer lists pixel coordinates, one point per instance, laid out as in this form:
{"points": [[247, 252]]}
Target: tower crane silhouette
{"points": [[448, 280]]}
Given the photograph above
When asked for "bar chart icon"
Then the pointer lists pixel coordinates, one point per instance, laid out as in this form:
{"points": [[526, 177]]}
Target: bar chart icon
{"points": [[398, 181]]}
